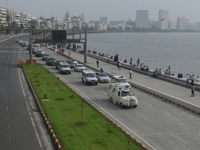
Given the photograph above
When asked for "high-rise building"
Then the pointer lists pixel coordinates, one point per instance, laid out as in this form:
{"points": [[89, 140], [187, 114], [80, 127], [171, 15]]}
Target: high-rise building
{"points": [[181, 23], [104, 20], [172, 25], [82, 16], [3, 15], [163, 19], [142, 19], [67, 17]]}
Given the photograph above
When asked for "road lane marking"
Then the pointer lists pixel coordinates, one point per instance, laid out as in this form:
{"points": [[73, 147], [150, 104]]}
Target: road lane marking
{"points": [[178, 138], [172, 116], [145, 118], [30, 115]]}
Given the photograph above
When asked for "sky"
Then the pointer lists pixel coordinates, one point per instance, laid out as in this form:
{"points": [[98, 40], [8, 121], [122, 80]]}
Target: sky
{"points": [[115, 10]]}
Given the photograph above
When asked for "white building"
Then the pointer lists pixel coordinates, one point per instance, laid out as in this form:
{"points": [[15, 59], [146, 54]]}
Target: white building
{"points": [[172, 25], [163, 19], [181, 23], [142, 19], [82, 16], [3, 15]]}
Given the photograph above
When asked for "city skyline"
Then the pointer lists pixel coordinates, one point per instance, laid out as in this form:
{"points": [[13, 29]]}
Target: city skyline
{"points": [[122, 10]]}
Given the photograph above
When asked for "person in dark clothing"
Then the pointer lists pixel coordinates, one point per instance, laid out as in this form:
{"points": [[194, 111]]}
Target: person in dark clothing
{"points": [[97, 63]]}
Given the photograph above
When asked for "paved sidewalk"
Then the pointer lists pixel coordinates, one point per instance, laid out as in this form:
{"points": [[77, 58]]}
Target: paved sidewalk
{"points": [[176, 91]]}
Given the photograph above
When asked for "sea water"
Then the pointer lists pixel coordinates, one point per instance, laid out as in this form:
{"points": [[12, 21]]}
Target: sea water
{"points": [[180, 51]]}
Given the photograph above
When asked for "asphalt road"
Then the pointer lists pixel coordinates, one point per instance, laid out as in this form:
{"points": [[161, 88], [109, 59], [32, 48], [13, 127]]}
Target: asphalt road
{"points": [[21, 126], [159, 125]]}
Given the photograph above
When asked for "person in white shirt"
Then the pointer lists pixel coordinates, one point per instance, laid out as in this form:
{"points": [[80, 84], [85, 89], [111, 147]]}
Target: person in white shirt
{"points": [[130, 73]]}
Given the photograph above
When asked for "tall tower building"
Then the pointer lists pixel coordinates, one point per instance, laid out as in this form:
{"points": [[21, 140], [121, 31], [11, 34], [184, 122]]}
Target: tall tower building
{"points": [[181, 23], [104, 20], [163, 19], [67, 17], [82, 16], [142, 18]]}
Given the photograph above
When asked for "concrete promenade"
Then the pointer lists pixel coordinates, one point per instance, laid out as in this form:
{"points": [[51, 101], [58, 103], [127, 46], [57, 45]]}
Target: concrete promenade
{"points": [[168, 91]]}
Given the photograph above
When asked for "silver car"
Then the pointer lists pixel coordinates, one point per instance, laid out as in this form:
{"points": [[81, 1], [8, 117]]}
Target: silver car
{"points": [[102, 77]]}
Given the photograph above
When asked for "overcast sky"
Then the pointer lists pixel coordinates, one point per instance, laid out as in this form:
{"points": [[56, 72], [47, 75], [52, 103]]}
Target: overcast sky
{"points": [[115, 10]]}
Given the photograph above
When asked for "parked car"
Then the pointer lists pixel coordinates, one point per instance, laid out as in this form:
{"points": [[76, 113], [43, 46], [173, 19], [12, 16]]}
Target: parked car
{"points": [[79, 67], [63, 67], [57, 63], [45, 56], [89, 77], [50, 61], [103, 77]]}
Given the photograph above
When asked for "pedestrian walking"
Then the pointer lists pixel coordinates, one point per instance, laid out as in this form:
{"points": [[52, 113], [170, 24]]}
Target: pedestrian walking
{"points": [[138, 62], [97, 63], [120, 65], [130, 73], [192, 88], [131, 61]]}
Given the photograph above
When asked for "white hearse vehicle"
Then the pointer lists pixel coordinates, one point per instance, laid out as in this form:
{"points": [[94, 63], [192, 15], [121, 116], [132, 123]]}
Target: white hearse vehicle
{"points": [[121, 95], [121, 80], [64, 67], [89, 77]]}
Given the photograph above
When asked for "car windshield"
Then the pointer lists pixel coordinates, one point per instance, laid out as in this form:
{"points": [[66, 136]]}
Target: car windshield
{"points": [[80, 65], [65, 66], [103, 75], [121, 80], [91, 75], [126, 93]]}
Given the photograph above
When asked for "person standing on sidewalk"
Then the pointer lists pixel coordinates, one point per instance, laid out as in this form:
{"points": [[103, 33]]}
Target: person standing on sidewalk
{"points": [[120, 65], [192, 88], [130, 73], [97, 63]]}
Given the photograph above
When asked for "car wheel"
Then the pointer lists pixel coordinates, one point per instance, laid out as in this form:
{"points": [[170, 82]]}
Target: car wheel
{"points": [[82, 81], [96, 83], [69, 72], [135, 106]]}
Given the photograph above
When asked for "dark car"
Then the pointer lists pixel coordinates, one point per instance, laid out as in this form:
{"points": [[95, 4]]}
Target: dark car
{"points": [[38, 54], [58, 62], [50, 61], [45, 56]]}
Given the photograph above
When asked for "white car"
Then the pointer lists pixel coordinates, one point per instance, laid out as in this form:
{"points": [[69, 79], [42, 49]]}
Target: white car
{"points": [[79, 67], [63, 67], [102, 77], [89, 77], [41, 50]]}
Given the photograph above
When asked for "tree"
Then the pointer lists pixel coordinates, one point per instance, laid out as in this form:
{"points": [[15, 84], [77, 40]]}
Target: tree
{"points": [[33, 24], [14, 27]]}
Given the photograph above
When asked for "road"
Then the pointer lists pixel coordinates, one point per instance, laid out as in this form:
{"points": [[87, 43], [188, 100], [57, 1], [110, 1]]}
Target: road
{"points": [[158, 124], [21, 126]]}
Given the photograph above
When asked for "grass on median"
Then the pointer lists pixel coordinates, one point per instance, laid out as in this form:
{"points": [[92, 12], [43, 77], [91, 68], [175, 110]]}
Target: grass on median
{"points": [[77, 125]]}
